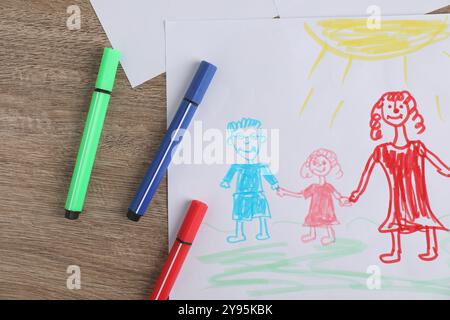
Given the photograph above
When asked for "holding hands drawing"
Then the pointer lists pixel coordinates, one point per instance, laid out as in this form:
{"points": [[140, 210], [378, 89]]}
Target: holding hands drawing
{"points": [[345, 202], [354, 196]]}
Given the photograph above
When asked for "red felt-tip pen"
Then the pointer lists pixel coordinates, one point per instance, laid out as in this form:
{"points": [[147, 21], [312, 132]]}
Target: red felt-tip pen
{"points": [[179, 251]]}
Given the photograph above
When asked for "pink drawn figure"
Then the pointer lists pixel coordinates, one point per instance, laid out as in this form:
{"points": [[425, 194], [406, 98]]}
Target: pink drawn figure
{"points": [[403, 162], [320, 164]]}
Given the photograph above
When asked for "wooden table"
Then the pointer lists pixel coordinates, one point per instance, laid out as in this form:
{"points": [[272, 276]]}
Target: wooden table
{"points": [[47, 76]]}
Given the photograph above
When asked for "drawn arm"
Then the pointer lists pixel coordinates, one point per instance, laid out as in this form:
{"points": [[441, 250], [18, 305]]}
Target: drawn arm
{"points": [[440, 166], [228, 177], [285, 192], [365, 177], [270, 178]]}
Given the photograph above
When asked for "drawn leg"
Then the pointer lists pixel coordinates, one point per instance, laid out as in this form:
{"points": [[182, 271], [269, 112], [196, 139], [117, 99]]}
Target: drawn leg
{"points": [[239, 234], [310, 236], [432, 246], [396, 251], [330, 238], [263, 230]]}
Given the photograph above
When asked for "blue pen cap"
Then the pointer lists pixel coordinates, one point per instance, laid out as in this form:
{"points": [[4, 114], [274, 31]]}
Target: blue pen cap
{"points": [[200, 83]]}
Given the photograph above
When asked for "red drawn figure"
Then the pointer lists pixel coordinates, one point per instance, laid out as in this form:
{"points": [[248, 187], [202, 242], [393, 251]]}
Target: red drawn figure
{"points": [[321, 214], [403, 162]]}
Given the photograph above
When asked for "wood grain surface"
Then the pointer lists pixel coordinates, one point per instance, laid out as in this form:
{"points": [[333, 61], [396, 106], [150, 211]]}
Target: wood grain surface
{"points": [[47, 75]]}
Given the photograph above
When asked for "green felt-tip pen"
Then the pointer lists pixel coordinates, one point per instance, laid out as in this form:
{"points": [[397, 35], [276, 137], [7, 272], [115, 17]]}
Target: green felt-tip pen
{"points": [[92, 133]]}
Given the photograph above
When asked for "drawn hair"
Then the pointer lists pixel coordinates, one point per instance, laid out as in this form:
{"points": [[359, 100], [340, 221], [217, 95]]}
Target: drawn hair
{"points": [[397, 96], [305, 170], [244, 123]]}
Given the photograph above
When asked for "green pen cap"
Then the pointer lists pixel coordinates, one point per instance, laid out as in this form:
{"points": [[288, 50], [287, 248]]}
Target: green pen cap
{"points": [[108, 69]]}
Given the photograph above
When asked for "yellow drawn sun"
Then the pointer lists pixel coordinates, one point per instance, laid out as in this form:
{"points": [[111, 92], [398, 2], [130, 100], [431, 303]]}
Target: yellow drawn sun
{"points": [[352, 39]]}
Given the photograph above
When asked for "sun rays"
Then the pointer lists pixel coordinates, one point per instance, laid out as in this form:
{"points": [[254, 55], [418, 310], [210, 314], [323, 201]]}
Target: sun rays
{"points": [[438, 108], [305, 103], [333, 117], [352, 40]]}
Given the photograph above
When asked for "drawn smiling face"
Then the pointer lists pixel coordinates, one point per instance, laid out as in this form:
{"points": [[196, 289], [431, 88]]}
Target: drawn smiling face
{"points": [[247, 143], [395, 113], [320, 166]]}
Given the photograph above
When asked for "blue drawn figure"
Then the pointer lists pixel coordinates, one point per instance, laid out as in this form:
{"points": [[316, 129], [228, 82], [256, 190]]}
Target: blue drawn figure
{"points": [[249, 200]]}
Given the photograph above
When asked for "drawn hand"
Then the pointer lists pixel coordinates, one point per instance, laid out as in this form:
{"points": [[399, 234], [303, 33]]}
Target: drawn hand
{"points": [[444, 172], [344, 202], [354, 197], [280, 192], [225, 184], [275, 187]]}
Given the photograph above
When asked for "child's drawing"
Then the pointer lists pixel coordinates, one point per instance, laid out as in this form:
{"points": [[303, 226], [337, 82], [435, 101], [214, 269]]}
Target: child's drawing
{"points": [[320, 164], [308, 232], [403, 162], [249, 200]]}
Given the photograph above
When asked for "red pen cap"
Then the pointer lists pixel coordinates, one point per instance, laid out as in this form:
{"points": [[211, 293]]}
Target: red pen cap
{"points": [[192, 221]]}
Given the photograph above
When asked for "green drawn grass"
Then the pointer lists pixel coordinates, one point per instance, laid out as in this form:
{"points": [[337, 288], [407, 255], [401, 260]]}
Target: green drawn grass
{"points": [[269, 270]]}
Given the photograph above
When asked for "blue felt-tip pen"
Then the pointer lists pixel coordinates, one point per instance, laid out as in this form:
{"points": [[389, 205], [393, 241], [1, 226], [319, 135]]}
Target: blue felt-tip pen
{"points": [[193, 97]]}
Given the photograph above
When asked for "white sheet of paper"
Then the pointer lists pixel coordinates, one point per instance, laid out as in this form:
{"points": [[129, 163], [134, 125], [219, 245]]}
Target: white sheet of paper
{"points": [[136, 27], [328, 8], [263, 73]]}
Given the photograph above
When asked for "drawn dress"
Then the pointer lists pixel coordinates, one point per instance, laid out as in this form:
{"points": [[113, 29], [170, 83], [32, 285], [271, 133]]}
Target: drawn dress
{"points": [[249, 200], [321, 209], [409, 207]]}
